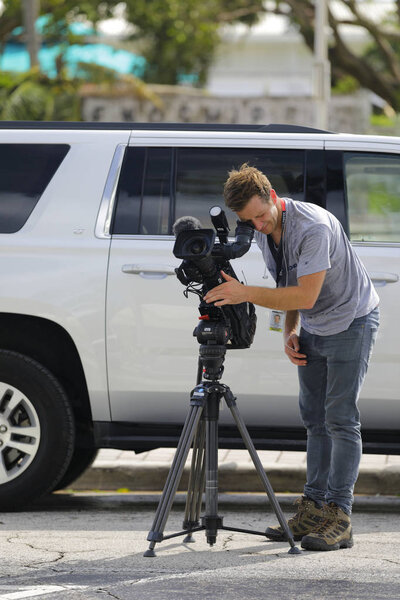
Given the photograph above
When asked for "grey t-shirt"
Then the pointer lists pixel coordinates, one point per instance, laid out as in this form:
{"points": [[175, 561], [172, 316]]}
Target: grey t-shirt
{"points": [[314, 240]]}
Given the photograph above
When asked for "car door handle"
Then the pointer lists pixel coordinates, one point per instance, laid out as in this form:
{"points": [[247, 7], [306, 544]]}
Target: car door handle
{"points": [[149, 271], [381, 279]]}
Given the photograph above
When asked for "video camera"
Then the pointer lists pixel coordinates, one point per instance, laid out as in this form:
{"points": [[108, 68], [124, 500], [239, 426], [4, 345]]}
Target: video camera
{"points": [[203, 261]]}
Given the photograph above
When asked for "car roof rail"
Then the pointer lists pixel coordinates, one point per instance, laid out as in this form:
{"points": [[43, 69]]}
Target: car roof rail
{"points": [[100, 125], [285, 128]]}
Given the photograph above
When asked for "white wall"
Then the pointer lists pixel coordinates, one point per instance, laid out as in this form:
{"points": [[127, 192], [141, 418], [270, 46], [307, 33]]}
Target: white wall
{"points": [[269, 59], [346, 113]]}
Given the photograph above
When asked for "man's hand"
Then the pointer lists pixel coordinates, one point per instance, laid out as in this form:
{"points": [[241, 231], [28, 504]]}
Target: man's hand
{"points": [[292, 347], [231, 292]]}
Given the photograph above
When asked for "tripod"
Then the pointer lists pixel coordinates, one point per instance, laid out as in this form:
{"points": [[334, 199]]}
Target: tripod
{"points": [[201, 429]]}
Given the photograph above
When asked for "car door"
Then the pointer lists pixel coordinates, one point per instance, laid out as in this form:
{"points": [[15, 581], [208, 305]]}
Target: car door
{"points": [[369, 175], [151, 352]]}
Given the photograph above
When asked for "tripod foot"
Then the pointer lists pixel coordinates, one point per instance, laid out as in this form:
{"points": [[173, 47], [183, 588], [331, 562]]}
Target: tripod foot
{"points": [[211, 539], [150, 552], [294, 550], [189, 525]]}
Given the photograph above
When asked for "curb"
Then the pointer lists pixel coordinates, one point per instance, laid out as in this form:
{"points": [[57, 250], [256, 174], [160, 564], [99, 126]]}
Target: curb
{"points": [[249, 501], [232, 477], [240, 502]]}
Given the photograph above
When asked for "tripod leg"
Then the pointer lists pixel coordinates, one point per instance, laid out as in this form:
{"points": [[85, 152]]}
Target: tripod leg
{"points": [[196, 482], [197, 473], [231, 402], [174, 475], [211, 521]]}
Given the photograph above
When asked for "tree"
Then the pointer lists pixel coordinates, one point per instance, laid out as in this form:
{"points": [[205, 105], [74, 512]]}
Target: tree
{"points": [[178, 38], [181, 36], [378, 69], [59, 12], [32, 96], [35, 96]]}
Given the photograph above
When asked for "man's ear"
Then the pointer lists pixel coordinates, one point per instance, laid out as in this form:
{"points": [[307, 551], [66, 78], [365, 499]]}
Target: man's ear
{"points": [[273, 196]]}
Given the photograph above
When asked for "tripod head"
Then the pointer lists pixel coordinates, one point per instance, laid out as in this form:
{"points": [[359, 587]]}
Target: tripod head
{"points": [[212, 337], [232, 326]]}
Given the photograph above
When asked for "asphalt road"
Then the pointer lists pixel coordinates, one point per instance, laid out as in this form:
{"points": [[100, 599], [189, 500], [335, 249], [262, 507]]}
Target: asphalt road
{"points": [[90, 546]]}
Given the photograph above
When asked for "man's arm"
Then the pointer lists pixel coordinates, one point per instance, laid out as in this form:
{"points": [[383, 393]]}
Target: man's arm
{"points": [[291, 339], [302, 296]]}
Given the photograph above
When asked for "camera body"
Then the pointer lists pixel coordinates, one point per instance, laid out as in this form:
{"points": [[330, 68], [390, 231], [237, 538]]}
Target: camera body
{"points": [[202, 262]]}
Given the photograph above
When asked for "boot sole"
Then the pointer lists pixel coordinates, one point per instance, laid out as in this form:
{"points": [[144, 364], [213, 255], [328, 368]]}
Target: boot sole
{"points": [[312, 543], [281, 537]]}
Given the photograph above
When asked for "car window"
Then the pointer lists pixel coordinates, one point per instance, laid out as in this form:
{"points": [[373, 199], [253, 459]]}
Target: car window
{"points": [[25, 172], [159, 185], [202, 172], [372, 183], [143, 193]]}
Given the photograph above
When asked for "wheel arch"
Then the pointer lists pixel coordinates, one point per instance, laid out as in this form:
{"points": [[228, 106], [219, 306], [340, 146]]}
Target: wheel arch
{"points": [[51, 345]]}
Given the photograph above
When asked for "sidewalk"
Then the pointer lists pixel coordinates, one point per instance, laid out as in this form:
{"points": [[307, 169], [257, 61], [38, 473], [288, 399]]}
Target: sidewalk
{"points": [[124, 470]]}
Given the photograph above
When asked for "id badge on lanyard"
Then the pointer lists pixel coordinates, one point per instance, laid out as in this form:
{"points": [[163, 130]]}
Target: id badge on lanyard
{"points": [[279, 257], [277, 317], [276, 320]]}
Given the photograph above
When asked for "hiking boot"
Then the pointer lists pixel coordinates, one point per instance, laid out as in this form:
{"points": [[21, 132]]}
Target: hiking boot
{"points": [[334, 533], [307, 518]]}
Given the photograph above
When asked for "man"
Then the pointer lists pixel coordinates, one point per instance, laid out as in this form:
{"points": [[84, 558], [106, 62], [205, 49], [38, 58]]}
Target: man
{"points": [[322, 283]]}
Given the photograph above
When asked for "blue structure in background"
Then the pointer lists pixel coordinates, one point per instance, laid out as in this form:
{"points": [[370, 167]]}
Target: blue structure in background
{"points": [[15, 56]]}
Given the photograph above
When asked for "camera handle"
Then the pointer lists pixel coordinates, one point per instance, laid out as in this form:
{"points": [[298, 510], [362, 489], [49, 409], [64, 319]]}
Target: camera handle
{"points": [[201, 429]]}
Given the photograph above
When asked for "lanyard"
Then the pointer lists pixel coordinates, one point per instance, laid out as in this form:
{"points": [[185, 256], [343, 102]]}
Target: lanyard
{"points": [[277, 253]]}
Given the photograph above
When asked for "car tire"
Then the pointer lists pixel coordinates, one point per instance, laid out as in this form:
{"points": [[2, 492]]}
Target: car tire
{"points": [[81, 460], [37, 431]]}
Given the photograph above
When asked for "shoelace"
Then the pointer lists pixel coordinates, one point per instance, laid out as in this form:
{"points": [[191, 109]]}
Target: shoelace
{"points": [[331, 518], [301, 508]]}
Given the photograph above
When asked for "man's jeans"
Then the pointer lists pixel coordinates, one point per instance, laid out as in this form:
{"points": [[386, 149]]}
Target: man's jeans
{"points": [[330, 384]]}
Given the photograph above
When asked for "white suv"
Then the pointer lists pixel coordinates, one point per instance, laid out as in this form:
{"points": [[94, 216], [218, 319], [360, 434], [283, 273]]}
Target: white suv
{"points": [[96, 345]]}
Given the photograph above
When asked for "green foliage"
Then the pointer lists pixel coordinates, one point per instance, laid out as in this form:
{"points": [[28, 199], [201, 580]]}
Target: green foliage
{"points": [[111, 82], [66, 107], [28, 102], [382, 121], [176, 37], [345, 85], [376, 58], [179, 37], [59, 13], [382, 202], [34, 97]]}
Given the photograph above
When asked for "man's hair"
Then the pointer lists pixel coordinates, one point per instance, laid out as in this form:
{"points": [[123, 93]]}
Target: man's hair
{"points": [[243, 184]]}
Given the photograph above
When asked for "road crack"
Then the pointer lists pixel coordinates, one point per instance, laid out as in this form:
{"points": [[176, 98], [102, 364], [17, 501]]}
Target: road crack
{"points": [[389, 560], [108, 593], [59, 555], [226, 542]]}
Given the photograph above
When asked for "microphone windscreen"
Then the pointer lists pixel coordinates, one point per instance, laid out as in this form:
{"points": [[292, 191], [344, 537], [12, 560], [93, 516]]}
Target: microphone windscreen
{"points": [[184, 224]]}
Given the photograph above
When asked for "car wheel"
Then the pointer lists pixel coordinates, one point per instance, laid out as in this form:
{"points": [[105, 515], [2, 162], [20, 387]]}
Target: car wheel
{"points": [[37, 431], [81, 460]]}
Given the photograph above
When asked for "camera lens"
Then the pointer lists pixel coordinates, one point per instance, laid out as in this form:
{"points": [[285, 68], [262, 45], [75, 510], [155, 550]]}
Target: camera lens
{"points": [[197, 246]]}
